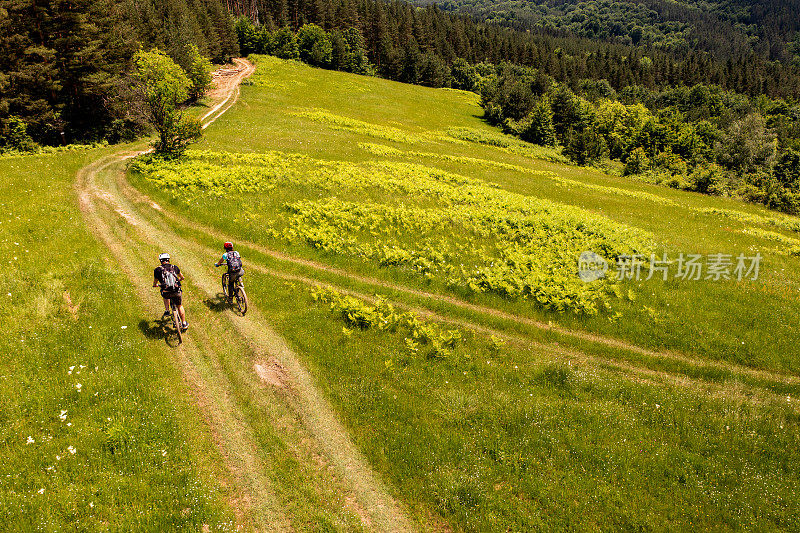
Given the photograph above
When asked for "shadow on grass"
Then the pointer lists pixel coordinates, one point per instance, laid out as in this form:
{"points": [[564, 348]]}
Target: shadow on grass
{"points": [[159, 329], [218, 303]]}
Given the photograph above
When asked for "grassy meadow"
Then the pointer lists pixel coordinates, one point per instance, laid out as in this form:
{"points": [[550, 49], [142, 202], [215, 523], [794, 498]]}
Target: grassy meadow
{"points": [[98, 430], [503, 426]]}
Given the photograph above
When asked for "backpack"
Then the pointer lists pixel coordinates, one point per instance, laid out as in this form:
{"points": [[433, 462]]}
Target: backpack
{"points": [[169, 280], [234, 261]]}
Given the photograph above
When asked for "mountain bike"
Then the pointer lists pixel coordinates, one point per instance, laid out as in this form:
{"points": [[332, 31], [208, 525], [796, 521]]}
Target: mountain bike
{"points": [[176, 321], [240, 296]]}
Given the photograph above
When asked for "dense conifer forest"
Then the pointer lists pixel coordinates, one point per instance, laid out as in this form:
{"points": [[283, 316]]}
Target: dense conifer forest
{"points": [[688, 113], [63, 63]]}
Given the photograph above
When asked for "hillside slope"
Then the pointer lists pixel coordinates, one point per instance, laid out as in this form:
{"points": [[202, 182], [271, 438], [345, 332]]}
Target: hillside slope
{"points": [[494, 389]]}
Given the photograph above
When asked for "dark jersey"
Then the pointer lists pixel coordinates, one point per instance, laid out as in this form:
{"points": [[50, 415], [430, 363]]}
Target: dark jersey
{"points": [[158, 273]]}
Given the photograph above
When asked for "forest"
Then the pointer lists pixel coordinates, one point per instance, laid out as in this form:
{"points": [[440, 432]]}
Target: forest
{"points": [[767, 28], [675, 115], [64, 64], [702, 137]]}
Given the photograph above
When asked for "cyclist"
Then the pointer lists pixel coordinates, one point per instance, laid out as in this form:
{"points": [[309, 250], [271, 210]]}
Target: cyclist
{"points": [[235, 271], [168, 277]]}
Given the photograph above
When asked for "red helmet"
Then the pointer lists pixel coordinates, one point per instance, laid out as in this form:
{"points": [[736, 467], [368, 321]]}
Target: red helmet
{"points": [[228, 245]]}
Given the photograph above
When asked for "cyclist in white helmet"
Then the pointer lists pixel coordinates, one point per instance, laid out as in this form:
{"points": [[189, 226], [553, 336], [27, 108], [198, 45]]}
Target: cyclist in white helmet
{"points": [[168, 277]]}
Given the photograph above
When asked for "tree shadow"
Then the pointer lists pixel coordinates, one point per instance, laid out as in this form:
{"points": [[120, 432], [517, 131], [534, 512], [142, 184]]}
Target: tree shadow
{"points": [[218, 303]]}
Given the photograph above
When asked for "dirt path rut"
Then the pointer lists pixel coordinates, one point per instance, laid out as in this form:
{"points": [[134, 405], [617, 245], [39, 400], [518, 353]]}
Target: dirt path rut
{"points": [[104, 207]]}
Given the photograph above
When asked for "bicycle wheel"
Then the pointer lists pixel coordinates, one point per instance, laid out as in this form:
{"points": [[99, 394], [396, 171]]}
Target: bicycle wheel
{"points": [[176, 321], [225, 285], [241, 300]]}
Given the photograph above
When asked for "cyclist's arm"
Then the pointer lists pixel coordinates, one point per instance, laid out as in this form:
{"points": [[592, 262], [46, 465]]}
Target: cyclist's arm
{"points": [[222, 260]]}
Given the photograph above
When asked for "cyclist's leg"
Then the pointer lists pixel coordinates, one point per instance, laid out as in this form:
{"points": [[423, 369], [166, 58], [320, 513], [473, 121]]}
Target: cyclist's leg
{"points": [[178, 300], [166, 303], [232, 277]]}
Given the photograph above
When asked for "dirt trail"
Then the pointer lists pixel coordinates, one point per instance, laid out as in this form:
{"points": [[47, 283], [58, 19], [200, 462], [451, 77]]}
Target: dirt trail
{"points": [[102, 205], [137, 197]]}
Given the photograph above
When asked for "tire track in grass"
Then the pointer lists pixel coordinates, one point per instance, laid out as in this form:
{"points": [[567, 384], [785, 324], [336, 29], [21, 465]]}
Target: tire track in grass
{"points": [[257, 501], [315, 411], [378, 510], [733, 391], [138, 197]]}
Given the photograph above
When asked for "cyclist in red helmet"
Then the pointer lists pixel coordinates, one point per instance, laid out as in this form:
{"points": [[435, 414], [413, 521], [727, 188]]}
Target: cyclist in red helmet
{"points": [[235, 271]]}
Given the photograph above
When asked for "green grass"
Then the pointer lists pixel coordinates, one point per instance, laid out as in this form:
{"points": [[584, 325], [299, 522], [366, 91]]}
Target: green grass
{"points": [[97, 429], [517, 440], [714, 320], [566, 434]]}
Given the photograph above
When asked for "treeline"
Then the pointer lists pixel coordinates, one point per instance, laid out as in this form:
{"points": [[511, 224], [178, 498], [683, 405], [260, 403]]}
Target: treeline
{"points": [[723, 28], [63, 62], [702, 137], [397, 36], [699, 138]]}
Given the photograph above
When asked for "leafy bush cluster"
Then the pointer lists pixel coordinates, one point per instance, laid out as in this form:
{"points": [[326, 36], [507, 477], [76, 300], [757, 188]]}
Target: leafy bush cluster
{"points": [[442, 226], [422, 335]]}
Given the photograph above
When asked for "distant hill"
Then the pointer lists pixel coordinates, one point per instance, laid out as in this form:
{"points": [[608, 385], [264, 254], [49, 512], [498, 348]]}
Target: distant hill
{"points": [[725, 28]]}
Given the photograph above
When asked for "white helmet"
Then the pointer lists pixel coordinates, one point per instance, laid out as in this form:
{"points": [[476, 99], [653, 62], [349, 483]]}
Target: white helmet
{"points": [[163, 257]]}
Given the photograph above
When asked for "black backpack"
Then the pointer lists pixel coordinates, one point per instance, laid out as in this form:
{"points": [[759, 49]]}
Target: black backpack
{"points": [[234, 261], [169, 281]]}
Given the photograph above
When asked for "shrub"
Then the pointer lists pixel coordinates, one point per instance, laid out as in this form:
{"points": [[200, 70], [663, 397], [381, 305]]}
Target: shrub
{"points": [[314, 45], [637, 163], [199, 73], [14, 136], [708, 179]]}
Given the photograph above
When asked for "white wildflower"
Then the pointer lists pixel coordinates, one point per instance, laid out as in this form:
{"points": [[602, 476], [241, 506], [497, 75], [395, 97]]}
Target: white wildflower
{"points": [[71, 449], [63, 415], [41, 491], [30, 440]]}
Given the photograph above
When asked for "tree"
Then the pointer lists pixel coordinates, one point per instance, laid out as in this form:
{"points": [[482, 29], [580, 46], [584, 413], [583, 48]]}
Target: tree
{"points": [[464, 75], [199, 73], [747, 144], [356, 60], [284, 44], [162, 86], [787, 169], [537, 127], [314, 45], [585, 147], [637, 163]]}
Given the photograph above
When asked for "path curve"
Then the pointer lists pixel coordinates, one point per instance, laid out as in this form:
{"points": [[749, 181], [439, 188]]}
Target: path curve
{"points": [[99, 200]]}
